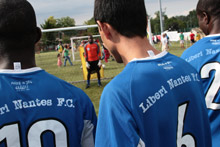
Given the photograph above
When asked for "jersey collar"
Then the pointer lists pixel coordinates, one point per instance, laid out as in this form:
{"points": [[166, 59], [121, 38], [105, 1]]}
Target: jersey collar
{"points": [[213, 35], [151, 58], [10, 71]]}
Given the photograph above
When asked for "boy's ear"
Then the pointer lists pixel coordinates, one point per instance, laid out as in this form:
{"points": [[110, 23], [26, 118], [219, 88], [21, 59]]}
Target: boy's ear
{"points": [[105, 28], [206, 17], [39, 34]]}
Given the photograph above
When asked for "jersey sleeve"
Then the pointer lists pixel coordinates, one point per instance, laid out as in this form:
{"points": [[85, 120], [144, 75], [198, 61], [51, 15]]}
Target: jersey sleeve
{"points": [[89, 120], [116, 126], [85, 51]]}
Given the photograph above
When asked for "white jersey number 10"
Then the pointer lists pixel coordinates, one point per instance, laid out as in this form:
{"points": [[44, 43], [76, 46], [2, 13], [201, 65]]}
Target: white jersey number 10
{"points": [[10, 133]]}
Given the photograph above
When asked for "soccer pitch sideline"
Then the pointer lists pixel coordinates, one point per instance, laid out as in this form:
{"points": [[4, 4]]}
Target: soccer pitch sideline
{"points": [[74, 74]]}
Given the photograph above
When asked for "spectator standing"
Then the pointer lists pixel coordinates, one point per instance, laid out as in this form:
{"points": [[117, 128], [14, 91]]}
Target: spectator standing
{"points": [[192, 38], [66, 55], [59, 61], [181, 40], [164, 43], [168, 40], [60, 47], [198, 36]]}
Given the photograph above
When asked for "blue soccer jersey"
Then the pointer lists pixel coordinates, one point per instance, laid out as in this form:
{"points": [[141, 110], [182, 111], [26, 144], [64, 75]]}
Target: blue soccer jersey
{"points": [[38, 109], [204, 55], [156, 102]]}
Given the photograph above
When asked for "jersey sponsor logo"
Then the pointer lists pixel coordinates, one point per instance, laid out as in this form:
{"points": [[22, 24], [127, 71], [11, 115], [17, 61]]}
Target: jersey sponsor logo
{"points": [[166, 65], [94, 47]]}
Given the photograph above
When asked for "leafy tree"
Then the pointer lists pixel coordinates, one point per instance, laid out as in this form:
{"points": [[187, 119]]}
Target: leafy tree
{"points": [[49, 23], [176, 23], [65, 22], [48, 38], [93, 31], [155, 22], [192, 20], [53, 37]]}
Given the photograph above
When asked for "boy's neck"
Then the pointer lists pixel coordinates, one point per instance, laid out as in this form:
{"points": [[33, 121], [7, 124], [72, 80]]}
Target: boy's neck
{"points": [[135, 47]]}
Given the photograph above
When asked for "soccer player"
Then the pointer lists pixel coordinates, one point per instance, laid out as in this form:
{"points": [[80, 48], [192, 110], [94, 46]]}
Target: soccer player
{"points": [[204, 55], [154, 101], [93, 62], [36, 108]]}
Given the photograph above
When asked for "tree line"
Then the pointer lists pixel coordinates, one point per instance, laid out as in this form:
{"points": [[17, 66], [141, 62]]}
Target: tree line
{"points": [[175, 23], [52, 38]]}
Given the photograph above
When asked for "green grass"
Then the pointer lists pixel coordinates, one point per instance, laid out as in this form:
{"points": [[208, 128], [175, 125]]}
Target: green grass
{"points": [[74, 74]]}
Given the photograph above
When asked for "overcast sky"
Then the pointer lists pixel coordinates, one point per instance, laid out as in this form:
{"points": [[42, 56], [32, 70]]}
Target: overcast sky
{"points": [[82, 10]]}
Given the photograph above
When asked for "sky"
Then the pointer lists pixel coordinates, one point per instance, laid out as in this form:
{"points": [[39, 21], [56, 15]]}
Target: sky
{"points": [[82, 10]]}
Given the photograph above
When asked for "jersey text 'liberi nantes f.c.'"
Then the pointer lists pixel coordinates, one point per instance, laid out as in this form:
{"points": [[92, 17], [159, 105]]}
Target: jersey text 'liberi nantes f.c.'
{"points": [[38, 109], [153, 103]]}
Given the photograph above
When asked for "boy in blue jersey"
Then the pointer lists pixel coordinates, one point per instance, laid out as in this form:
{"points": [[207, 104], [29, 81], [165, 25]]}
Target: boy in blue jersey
{"points": [[36, 108], [204, 55], [154, 101]]}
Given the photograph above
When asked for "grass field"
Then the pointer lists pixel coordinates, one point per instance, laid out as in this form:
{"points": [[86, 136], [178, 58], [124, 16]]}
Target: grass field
{"points": [[74, 75]]}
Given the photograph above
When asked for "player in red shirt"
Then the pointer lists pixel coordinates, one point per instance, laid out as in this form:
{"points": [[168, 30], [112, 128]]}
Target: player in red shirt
{"points": [[192, 38], [106, 52], [93, 63]]}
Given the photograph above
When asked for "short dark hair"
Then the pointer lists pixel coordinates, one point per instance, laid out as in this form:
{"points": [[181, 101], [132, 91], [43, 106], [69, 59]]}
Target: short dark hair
{"points": [[128, 17], [18, 20], [212, 7]]}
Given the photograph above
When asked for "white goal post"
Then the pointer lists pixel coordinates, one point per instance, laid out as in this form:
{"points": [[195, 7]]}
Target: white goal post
{"points": [[73, 44], [72, 38], [69, 28]]}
